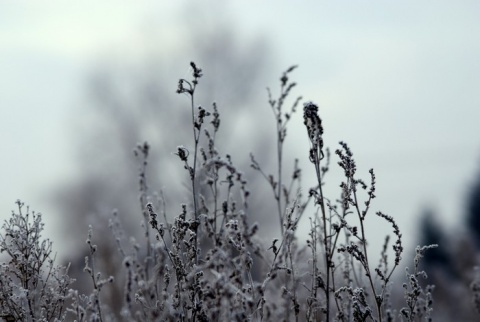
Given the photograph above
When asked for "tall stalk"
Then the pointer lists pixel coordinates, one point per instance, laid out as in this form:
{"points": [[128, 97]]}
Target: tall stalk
{"points": [[185, 86], [281, 120], [315, 131]]}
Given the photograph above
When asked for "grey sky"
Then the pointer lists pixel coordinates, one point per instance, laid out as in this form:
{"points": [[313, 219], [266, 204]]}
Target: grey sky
{"points": [[399, 81]]}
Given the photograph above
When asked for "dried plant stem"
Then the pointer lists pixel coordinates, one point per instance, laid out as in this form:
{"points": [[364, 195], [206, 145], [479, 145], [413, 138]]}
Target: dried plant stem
{"points": [[196, 126], [196, 137], [363, 241], [143, 150], [279, 186], [326, 237]]}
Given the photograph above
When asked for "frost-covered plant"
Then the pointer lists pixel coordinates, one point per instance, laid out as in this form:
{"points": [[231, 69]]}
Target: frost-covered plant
{"points": [[208, 263], [418, 299], [89, 307], [32, 287]]}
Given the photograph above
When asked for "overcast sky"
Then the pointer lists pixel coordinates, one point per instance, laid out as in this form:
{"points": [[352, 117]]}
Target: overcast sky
{"points": [[398, 80]]}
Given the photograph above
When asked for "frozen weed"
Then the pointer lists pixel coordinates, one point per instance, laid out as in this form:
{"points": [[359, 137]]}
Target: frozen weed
{"points": [[208, 263], [32, 287]]}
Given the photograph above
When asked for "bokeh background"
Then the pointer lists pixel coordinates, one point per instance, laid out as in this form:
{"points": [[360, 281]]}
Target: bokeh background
{"points": [[82, 83]]}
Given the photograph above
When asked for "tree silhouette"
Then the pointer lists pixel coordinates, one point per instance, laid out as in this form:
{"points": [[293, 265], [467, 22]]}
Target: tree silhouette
{"points": [[432, 233], [473, 211]]}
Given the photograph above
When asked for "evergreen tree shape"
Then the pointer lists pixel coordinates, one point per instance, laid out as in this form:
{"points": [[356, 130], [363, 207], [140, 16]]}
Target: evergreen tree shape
{"points": [[431, 232], [473, 211]]}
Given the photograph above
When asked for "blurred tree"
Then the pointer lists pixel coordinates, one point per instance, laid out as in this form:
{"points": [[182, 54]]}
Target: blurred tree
{"points": [[450, 267], [437, 263], [432, 233], [131, 103], [473, 211]]}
